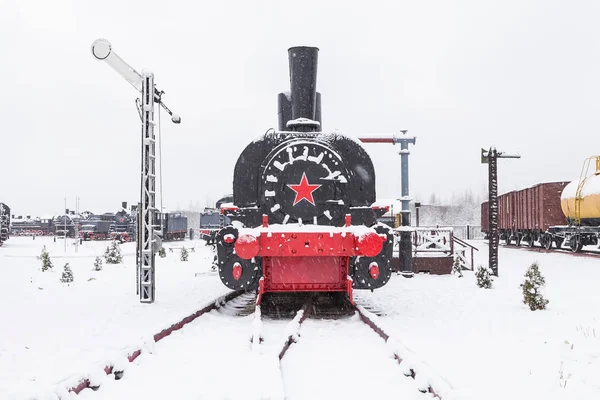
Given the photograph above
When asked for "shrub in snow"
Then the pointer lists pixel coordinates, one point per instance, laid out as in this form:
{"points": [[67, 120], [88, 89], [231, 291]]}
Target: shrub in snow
{"points": [[67, 275], [113, 253], [457, 266], [45, 257], [484, 277], [184, 254], [534, 281], [162, 253], [98, 264]]}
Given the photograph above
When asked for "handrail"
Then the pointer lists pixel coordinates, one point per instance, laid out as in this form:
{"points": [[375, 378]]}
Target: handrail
{"points": [[465, 244], [460, 241]]}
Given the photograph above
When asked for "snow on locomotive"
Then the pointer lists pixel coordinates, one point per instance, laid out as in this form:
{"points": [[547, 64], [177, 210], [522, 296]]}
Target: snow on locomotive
{"points": [[302, 214]]}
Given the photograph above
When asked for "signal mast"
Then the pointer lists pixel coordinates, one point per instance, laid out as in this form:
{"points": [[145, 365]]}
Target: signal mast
{"points": [[148, 241]]}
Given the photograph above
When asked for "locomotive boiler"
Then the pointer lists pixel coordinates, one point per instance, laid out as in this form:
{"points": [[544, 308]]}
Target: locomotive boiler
{"points": [[302, 216]]}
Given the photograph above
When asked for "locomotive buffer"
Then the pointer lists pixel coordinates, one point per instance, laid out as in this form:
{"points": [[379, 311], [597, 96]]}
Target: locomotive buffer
{"points": [[148, 240]]}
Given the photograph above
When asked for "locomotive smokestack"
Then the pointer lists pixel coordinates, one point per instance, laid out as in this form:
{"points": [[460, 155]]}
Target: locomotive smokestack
{"points": [[303, 81]]}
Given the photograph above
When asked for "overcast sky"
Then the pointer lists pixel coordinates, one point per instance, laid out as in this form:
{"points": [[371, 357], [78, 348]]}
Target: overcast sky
{"points": [[523, 76]]}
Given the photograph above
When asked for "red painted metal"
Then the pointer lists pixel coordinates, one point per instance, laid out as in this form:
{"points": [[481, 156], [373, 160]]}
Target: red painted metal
{"points": [[349, 289], [313, 244], [370, 244], [348, 219], [374, 270], [376, 140], [310, 274], [247, 246], [229, 238], [237, 271], [292, 271], [223, 209], [261, 290], [265, 221]]}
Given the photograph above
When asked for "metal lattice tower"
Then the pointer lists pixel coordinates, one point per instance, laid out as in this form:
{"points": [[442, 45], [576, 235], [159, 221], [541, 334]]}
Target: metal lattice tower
{"points": [[148, 192], [148, 241]]}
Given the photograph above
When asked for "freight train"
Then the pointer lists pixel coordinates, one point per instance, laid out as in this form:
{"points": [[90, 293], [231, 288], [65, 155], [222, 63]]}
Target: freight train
{"points": [[302, 213], [4, 222], [553, 213]]}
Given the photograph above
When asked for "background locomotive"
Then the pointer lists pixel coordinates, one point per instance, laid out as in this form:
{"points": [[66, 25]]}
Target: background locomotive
{"points": [[32, 226], [174, 226], [212, 220], [553, 213], [4, 222], [302, 215]]}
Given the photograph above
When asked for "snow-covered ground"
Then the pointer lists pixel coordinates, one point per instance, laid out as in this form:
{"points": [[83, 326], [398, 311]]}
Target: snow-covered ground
{"points": [[51, 330], [487, 342], [483, 342]]}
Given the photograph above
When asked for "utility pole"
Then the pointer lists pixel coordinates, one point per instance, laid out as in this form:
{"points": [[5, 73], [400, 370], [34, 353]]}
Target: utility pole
{"points": [[147, 236], [405, 245], [491, 159], [76, 224], [65, 221]]}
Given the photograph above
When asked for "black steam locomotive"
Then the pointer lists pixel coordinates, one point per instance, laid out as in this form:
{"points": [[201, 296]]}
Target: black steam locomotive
{"points": [[302, 209]]}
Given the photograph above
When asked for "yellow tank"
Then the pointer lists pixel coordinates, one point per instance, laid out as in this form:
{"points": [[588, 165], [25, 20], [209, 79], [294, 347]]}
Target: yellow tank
{"points": [[588, 187]]}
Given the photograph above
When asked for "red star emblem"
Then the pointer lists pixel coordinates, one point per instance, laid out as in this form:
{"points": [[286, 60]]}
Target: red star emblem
{"points": [[304, 190]]}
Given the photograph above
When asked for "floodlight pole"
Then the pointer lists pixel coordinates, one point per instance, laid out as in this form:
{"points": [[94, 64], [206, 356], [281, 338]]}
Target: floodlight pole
{"points": [[146, 235], [491, 158], [405, 245]]}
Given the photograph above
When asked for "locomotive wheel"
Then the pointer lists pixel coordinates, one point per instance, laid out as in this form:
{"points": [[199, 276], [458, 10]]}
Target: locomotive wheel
{"points": [[245, 271]]}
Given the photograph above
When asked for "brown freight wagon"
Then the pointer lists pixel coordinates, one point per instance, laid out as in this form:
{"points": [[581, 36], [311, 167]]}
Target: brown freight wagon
{"points": [[527, 214]]}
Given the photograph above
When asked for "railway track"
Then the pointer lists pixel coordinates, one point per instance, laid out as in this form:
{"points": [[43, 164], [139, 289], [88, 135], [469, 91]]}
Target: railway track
{"points": [[328, 342], [115, 368], [291, 344], [581, 253]]}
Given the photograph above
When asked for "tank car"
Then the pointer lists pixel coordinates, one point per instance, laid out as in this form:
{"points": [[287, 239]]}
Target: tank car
{"points": [[302, 212]]}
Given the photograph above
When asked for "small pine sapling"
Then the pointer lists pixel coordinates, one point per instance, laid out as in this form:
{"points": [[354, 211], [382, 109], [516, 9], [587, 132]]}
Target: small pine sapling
{"points": [[98, 264], [484, 277], [67, 275], [45, 257], [162, 252], [534, 281], [457, 266], [184, 254], [113, 253]]}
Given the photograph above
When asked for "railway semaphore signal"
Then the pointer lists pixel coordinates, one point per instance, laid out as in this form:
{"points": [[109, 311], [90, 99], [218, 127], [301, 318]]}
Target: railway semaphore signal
{"points": [[491, 158], [147, 237]]}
